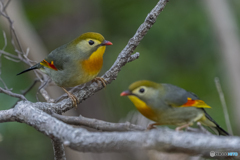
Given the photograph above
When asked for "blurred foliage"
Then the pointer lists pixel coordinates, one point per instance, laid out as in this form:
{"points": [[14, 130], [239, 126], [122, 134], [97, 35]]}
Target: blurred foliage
{"points": [[179, 49]]}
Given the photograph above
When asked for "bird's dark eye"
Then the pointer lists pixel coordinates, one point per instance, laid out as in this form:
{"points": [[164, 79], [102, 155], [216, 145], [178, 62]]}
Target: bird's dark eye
{"points": [[91, 42], [142, 90]]}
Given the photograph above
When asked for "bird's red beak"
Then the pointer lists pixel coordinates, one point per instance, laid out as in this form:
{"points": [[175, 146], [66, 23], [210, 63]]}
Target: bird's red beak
{"points": [[106, 43], [125, 93]]}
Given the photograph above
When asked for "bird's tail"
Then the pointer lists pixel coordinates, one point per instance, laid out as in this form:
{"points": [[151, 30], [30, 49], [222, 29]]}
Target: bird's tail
{"points": [[36, 66], [216, 127], [221, 131]]}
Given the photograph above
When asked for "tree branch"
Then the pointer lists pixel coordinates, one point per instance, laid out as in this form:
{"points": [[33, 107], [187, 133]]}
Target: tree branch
{"points": [[8, 92], [161, 140], [58, 148], [98, 124], [133, 57], [7, 116]]}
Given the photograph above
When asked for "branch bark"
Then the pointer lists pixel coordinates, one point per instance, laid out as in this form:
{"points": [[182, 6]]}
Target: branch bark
{"points": [[98, 124], [161, 140], [58, 148], [10, 93]]}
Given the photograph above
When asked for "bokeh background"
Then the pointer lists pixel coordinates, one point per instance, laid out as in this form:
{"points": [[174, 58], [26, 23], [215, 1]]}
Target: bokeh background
{"points": [[182, 48]]}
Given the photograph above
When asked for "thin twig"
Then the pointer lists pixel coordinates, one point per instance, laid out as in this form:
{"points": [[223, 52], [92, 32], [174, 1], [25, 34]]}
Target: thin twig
{"points": [[12, 94], [20, 53], [45, 96], [224, 105], [27, 90], [13, 33], [27, 52], [24, 92], [43, 91], [21, 56], [6, 5], [11, 59], [5, 86], [98, 124], [5, 40], [133, 57], [8, 54]]}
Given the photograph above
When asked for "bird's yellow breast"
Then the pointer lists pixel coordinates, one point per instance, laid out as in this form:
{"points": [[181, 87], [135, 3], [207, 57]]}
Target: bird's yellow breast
{"points": [[143, 108], [93, 64]]}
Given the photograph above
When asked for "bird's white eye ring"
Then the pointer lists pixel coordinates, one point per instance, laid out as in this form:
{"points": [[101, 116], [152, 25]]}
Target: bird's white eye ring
{"points": [[141, 90], [91, 42]]}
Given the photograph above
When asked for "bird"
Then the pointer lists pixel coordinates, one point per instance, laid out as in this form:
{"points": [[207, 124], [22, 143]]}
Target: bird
{"points": [[167, 104], [75, 63]]}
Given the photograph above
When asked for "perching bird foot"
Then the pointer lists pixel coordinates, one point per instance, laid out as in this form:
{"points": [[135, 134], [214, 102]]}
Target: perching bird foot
{"points": [[152, 126], [74, 99], [97, 79], [182, 127]]}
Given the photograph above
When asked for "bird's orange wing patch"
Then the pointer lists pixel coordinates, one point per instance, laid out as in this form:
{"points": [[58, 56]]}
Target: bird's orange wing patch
{"points": [[48, 65], [195, 103]]}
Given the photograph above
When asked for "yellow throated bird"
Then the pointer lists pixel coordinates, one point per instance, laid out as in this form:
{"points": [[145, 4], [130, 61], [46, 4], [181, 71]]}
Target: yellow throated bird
{"points": [[76, 62], [167, 104]]}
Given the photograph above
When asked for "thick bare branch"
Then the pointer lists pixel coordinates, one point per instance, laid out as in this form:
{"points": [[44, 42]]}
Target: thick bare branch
{"points": [[98, 124], [162, 140], [58, 148], [7, 116]]}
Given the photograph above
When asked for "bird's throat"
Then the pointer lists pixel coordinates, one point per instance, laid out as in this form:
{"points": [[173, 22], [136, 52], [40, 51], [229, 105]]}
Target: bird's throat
{"points": [[143, 108], [93, 64]]}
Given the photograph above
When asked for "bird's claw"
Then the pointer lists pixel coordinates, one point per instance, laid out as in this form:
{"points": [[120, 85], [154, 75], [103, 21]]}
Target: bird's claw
{"points": [[74, 99], [151, 126], [97, 79], [182, 127]]}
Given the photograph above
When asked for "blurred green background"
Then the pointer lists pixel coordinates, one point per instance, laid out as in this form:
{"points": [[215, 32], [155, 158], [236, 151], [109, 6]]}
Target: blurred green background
{"points": [[179, 49]]}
